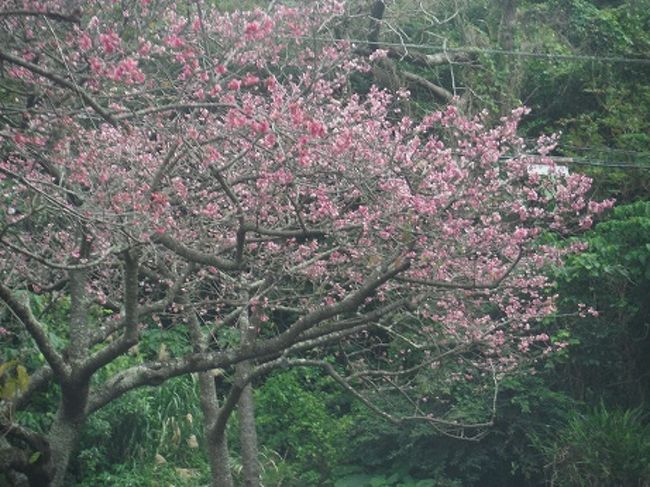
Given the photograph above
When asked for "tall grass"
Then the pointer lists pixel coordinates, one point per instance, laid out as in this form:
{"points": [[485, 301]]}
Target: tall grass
{"points": [[152, 436], [601, 448]]}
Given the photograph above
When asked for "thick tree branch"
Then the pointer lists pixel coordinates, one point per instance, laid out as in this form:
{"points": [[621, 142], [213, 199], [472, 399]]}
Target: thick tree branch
{"points": [[363, 319], [438, 91], [284, 233], [154, 373], [348, 304], [129, 323], [37, 331], [195, 256], [35, 440]]}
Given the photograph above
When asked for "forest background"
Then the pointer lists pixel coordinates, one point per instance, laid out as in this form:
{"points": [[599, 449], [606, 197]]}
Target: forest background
{"points": [[580, 416]]}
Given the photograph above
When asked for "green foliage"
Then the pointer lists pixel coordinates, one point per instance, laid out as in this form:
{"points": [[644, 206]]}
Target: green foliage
{"points": [[14, 379], [139, 474], [611, 350], [527, 406], [149, 436], [354, 477], [595, 30], [299, 418], [307, 429], [600, 448], [602, 107]]}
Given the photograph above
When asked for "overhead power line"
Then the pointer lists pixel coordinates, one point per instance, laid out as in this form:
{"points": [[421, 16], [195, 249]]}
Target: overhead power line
{"points": [[622, 155], [542, 55], [597, 163], [600, 150], [607, 150], [488, 50], [563, 162]]}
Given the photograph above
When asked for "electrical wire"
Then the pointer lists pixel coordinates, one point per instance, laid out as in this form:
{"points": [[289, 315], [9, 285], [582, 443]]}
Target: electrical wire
{"points": [[487, 50]]}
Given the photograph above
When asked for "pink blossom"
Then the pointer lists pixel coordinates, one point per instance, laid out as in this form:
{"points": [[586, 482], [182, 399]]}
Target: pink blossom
{"points": [[378, 54], [110, 41], [316, 129], [174, 41], [145, 48], [286, 179], [85, 42], [127, 70], [250, 80], [234, 84], [251, 28], [586, 222]]}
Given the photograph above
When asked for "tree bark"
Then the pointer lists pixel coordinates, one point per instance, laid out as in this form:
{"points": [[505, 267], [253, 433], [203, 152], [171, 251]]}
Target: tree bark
{"points": [[63, 437], [71, 415], [507, 24], [376, 16], [506, 40], [67, 427], [246, 406], [216, 441], [220, 460], [248, 438]]}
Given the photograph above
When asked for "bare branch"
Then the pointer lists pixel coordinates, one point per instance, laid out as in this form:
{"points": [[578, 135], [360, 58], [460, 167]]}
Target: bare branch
{"points": [[468, 286], [55, 265], [441, 425], [55, 78], [167, 108], [74, 17]]}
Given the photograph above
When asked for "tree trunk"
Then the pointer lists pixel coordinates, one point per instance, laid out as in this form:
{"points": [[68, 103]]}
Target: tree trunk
{"points": [[66, 430], [248, 438], [71, 415], [246, 407], [220, 461], [507, 24], [63, 439], [509, 65], [216, 440]]}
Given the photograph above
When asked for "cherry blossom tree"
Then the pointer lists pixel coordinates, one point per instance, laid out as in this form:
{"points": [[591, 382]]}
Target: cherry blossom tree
{"points": [[167, 165]]}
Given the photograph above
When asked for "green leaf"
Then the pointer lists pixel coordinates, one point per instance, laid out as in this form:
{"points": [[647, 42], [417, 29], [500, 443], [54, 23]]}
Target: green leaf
{"points": [[22, 378], [357, 480], [9, 390], [6, 366], [33, 458]]}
